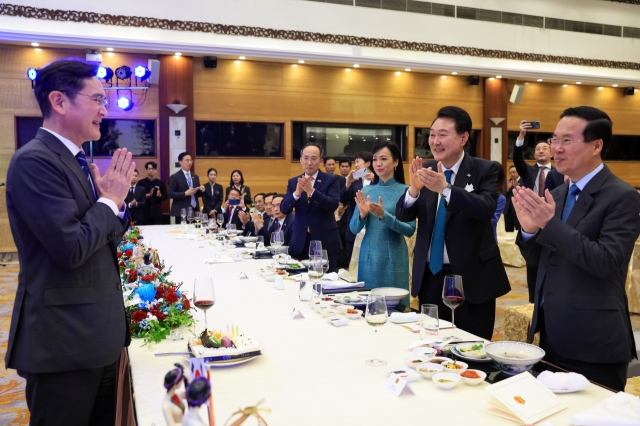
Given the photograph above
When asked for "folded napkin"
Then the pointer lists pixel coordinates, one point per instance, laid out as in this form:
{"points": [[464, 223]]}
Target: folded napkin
{"points": [[341, 284], [398, 317], [568, 382], [330, 277], [345, 275], [174, 231], [621, 409]]}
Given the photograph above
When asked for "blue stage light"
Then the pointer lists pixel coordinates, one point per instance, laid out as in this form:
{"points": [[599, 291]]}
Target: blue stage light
{"points": [[125, 103], [32, 73], [141, 72], [123, 72], [105, 73]]}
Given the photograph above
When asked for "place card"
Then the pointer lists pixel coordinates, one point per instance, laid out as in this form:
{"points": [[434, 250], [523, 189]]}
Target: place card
{"points": [[220, 260], [295, 313], [242, 276], [397, 385]]}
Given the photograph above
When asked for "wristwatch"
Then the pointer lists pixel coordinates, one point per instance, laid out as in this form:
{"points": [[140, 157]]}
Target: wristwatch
{"points": [[446, 191]]}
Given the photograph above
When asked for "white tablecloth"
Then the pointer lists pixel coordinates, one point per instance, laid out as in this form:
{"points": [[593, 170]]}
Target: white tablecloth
{"points": [[311, 373]]}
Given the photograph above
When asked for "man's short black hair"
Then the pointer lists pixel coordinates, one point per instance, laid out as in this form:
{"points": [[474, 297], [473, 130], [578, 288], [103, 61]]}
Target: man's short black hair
{"points": [[258, 195], [65, 75], [311, 144], [151, 163], [270, 194], [233, 188], [599, 125], [366, 156], [183, 154], [136, 170], [460, 117], [512, 167], [329, 158], [345, 161]]}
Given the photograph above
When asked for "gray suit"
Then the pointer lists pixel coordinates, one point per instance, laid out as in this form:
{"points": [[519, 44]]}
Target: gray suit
{"points": [[68, 312]]}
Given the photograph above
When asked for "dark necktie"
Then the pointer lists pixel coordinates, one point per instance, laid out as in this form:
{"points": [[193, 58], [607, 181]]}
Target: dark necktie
{"points": [[574, 191], [437, 240], [541, 179], [278, 227], [82, 160], [190, 182]]}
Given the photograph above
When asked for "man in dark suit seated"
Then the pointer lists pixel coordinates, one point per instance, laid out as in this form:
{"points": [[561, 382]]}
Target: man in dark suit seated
{"points": [[283, 222], [259, 204], [581, 237], [315, 196], [184, 188], [459, 238], [156, 193], [136, 200], [68, 326], [533, 177], [232, 212]]}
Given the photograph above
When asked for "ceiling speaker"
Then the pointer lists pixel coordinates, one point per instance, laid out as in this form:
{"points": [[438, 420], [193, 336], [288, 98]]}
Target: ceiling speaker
{"points": [[473, 80], [211, 62]]}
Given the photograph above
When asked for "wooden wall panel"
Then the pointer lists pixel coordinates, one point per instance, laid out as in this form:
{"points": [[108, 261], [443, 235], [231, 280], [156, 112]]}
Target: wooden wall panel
{"points": [[495, 106]]}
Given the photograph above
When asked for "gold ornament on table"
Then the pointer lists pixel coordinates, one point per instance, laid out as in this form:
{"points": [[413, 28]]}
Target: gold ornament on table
{"points": [[240, 416]]}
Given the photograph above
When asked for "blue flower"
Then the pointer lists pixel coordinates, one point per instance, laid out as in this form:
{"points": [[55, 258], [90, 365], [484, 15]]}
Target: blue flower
{"points": [[178, 306], [143, 323], [147, 292], [142, 305], [128, 247], [178, 293], [166, 310]]}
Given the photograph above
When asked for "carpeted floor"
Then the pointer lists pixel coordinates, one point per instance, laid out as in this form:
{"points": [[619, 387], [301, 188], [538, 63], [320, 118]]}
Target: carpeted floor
{"points": [[13, 407]]}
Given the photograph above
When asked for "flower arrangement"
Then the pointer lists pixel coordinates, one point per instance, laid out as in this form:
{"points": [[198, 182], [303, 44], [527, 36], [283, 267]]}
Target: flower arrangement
{"points": [[154, 304]]}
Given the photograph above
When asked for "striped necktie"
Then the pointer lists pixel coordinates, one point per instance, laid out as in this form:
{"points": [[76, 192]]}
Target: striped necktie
{"points": [[82, 160]]}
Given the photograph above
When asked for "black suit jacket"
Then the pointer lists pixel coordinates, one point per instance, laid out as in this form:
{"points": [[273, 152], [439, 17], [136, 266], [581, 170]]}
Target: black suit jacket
{"points": [[137, 212], [212, 200], [153, 207], [583, 265], [508, 207], [469, 239], [347, 199], [554, 179], [247, 194], [529, 173], [178, 185], [287, 228], [68, 312], [316, 214], [234, 218]]}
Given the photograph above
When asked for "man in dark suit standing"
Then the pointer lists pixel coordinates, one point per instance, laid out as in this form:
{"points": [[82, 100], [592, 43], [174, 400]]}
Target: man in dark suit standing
{"points": [[510, 218], [68, 326], [533, 177], [156, 193], [454, 198], [184, 188], [581, 238], [315, 196], [330, 168], [136, 200]]}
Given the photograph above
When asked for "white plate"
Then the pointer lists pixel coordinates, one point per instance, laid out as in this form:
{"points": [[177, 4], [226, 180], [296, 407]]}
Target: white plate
{"points": [[564, 391], [459, 345], [230, 362], [457, 353]]}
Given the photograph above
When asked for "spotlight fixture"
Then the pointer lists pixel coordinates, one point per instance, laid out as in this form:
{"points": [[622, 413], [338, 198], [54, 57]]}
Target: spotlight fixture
{"points": [[35, 44], [301, 61], [348, 69], [539, 80], [123, 72], [32, 73], [498, 76], [614, 85], [104, 73], [454, 73], [141, 72], [295, 65], [565, 85], [109, 49], [356, 65], [125, 103], [242, 57], [578, 82], [398, 73], [407, 69], [238, 62], [177, 54], [490, 78], [600, 88]]}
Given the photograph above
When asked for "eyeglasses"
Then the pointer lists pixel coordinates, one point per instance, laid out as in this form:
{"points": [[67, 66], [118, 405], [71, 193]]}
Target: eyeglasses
{"points": [[98, 99], [562, 142]]}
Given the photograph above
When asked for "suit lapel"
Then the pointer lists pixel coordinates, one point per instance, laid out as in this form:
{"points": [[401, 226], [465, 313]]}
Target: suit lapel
{"points": [[560, 197], [585, 199], [465, 172]]}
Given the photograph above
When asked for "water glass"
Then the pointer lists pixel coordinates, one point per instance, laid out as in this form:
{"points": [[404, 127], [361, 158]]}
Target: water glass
{"points": [[429, 322], [306, 290], [259, 243]]}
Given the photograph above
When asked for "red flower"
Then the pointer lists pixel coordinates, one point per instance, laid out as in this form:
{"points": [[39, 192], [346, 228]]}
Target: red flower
{"points": [[134, 240], [133, 275], [147, 278], [170, 296], [186, 304], [159, 292], [128, 253], [119, 255], [121, 263], [138, 316]]}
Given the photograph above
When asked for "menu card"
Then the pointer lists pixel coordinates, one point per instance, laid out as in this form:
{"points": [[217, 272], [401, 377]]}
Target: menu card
{"points": [[523, 399]]}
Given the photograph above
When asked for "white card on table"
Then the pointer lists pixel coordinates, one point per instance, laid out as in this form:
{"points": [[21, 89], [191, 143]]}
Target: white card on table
{"points": [[397, 385], [243, 276], [295, 313]]}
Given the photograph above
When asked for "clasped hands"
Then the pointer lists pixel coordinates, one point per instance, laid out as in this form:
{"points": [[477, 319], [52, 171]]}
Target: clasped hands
{"points": [[305, 184], [533, 211], [116, 181], [420, 177], [366, 206]]}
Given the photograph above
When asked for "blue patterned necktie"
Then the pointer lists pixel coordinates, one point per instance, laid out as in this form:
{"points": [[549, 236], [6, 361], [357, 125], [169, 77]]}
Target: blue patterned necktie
{"points": [[574, 191], [82, 160], [437, 240], [190, 182]]}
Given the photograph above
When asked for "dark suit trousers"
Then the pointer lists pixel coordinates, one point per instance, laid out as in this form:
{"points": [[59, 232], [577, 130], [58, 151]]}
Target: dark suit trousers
{"points": [[511, 222], [153, 220], [613, 376], [477, 319], [333, 255], [532, 277], [72, 398]]}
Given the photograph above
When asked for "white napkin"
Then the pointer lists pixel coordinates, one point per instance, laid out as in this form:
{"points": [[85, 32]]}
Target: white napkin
{"points": [[620, 409], [563, 381], [341, 284], [332, 276], [399, 317], [345, 275]]}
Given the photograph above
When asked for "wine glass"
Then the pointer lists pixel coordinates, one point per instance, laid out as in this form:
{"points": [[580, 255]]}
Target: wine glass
{"points": [[220, 219], [183, 215], [376, 316], [315, 248], [325, 261], [316, 271], [204, 296], [211, 224], [231, 230], [277, 238], [452, 294], [189, 215], [197, 218]]}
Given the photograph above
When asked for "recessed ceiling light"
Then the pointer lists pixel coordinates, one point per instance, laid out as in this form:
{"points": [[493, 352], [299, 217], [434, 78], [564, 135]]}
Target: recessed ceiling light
{"points": [[398, 73], [238, 62], [600, 88], [109, 49], [348, 70], [356, 65], [178, 54], [539, 80], [35, 44], [37, 49], [109, 54], [491, 78], [454, 73], [614, 85], [498, 76], [565, 85], [407, 69], [301, 61], [242, 57], [295, 65], [578, 82]]}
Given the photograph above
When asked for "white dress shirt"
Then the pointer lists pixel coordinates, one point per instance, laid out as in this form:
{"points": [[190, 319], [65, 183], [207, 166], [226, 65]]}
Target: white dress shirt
{"points": [[313, 182]]}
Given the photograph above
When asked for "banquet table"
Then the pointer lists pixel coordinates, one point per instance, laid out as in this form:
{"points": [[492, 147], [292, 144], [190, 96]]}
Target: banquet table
{"points": [[310, 372]]}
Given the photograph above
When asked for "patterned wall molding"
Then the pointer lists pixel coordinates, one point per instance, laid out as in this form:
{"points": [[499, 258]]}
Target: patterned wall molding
{"points": [[244, 31], [635, 2]]}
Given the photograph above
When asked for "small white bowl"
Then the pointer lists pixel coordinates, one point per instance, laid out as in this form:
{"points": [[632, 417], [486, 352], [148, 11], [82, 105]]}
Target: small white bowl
{"points": [[474, 382], [329, 312], [429, 369], [414, 359], [514, 357], [464, 366], [452, 380], [439, 360], [430, 352], [247, 256], [270, 278], [343, 308], [353, 316], [250, 245]]}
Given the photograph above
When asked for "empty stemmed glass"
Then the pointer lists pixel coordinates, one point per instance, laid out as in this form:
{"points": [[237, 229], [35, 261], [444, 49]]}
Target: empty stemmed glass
{"points": [[376, 316], [316, 271], [203, 296], [183, 216], [211, 224], [452, 294], [189, 215], [315, 248], [231, 230]]}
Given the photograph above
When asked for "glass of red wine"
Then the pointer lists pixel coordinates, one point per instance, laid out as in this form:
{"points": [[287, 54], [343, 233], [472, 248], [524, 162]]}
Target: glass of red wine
{"points": [[204, 296], [452, 294]]}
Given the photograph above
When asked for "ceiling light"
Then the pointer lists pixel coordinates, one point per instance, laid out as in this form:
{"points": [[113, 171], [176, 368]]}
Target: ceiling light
{"points": [[578, 82], [539, 80], [454, 73], [295, 65], [443, 76], [498, 76], [398, 73], [178, 54], [490, 78], [301, 61], [348, 70], [141, 72], [104, 73], [600, 88], [242, 57], [238, 62], [407, 69], [527, 83], [35, 44], [565, 85], [125, 103], [37, 49], [356, 65], [32, 73], [110, 54], [614, 85], [109, 49]]}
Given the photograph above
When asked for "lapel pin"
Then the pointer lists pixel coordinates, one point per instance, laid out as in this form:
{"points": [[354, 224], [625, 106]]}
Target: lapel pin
{"points": [[319, 181], [468, 175]]}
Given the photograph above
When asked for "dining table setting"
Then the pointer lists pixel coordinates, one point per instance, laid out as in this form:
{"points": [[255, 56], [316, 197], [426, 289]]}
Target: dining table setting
{"points": [[271, 335]]}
